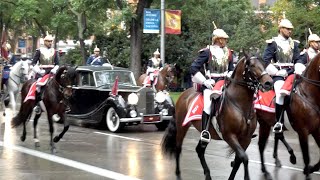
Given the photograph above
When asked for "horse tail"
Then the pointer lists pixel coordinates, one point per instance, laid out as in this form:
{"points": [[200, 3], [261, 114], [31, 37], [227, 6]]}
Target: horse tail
{"points": [[19, 118], [168, 144]]}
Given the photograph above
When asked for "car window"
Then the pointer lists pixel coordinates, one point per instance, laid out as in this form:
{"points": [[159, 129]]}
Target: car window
{"points": [[108, 77], [86, 79]]}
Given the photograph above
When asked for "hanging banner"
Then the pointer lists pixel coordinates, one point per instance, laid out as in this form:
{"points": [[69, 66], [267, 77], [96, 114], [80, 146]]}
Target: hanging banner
{"points": [[151, 21], [173, 21]]}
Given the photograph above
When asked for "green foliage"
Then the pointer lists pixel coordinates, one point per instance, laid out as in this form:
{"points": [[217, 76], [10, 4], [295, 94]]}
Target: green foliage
{"points": [[73, 57], [116, 47]]}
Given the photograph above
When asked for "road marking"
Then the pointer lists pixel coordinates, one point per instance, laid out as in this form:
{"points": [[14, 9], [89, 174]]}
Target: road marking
{"points": [[69, 162], [114, 135], [283, 167]]}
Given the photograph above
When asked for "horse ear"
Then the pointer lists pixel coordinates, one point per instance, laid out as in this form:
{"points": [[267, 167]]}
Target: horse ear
{"points": [[245, 53]]}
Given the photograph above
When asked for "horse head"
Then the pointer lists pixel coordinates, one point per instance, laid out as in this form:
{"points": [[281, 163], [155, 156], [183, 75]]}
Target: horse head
{"points": [[24, 70], [169, 72], [313, 69], [253, 73], [66, 77]]}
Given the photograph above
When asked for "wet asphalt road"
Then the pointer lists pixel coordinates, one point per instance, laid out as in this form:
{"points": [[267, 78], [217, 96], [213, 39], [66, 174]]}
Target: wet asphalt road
{"points": [[93, 154]]}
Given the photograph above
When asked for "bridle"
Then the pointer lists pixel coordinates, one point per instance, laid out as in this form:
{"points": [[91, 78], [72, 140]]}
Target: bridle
{"points": [[62, 87], [250, 79]]}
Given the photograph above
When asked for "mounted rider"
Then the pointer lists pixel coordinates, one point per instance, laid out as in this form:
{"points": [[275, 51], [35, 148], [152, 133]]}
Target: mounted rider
{"points": [[305, 57], [154, 64], [95, 59], [45, 61], [282, 50], [307, 54], [217, 61]]}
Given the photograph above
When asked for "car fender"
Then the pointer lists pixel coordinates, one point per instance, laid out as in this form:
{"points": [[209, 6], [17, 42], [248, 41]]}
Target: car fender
{"points": [[114, 102]]}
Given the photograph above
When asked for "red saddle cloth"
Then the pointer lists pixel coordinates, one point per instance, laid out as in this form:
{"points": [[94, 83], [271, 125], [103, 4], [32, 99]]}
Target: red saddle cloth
{"points": [[32, 91], [196, 107], [147, 81], [287, 86], [264, 101]]}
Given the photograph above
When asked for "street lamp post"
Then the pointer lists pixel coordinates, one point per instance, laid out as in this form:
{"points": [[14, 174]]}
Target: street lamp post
{"points": [[163, 33]]}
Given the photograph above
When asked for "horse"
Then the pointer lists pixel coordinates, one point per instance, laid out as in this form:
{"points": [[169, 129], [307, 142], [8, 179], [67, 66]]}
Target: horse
{"points": [[235, 117], [57, 90], [165, 77], [18, 74], [303, 112]]}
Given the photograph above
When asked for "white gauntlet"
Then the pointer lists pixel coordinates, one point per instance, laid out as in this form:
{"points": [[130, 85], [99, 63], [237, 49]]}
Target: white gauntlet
{"points": [[271, 70], [54, 69], [299, 68], [282, 72]]}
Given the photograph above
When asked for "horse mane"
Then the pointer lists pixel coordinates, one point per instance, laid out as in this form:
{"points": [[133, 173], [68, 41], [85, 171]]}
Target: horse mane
{"points": [[238, 65]]}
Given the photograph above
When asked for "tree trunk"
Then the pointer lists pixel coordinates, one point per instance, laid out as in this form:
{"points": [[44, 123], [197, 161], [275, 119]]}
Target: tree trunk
{"points": [[136, 38]]}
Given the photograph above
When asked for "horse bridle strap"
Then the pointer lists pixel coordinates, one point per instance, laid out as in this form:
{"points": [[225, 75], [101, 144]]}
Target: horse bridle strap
{"points": [[311, 81], [61, 88]]}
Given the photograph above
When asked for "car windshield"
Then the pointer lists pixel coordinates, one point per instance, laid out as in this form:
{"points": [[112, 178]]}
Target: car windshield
{"points": [[108, 77]]}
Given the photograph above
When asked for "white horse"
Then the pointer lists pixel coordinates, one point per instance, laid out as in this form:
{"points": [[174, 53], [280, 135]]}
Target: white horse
{"points": [[18, 74]]}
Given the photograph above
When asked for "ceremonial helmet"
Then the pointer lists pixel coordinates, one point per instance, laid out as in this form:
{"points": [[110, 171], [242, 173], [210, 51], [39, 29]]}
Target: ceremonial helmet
{"points": [[313, 37], [156, 52], [219, 33], [285, 23], [96, 49], [48, 38]]}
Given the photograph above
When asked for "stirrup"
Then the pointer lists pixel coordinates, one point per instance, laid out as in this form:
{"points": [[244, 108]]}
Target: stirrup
{"points": [[37, 109], [277, 128], [203, 138]]}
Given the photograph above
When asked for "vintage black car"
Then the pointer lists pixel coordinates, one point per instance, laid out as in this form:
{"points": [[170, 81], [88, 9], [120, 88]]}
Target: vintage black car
{"points": [[93, 103]]}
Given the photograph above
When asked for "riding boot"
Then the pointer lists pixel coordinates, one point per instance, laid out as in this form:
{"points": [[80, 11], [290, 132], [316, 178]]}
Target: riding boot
{"points": [[205, 134], [279, 118], [37, 108]]}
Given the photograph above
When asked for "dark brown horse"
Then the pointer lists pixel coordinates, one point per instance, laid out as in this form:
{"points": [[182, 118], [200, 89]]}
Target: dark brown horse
{"points": [[165, 77], [236, 117], [56, 92], [303, 113]]}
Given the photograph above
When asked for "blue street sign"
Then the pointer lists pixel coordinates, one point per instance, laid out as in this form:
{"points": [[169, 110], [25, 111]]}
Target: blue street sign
{"points": [[151, 21], [21, 43]]}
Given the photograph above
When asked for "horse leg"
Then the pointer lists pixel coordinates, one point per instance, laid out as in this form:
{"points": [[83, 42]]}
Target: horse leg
{"points": [[51, 128], [303, 139], [12, 102], [24, 133], [316, 167], [275, 149], [181, 133], [241, 154], [264, 132], [293, 158], [65, 129], [235, 166], [201, 148], [35, 135]]}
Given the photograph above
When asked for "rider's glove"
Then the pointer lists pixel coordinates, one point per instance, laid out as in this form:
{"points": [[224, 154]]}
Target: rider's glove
{"points": [[209, 83], [282, 72], [299, 68], [42, 72]]}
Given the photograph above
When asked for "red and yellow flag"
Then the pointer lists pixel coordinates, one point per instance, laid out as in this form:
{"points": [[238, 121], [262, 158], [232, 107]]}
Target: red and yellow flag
{"points": [[173, 21]]}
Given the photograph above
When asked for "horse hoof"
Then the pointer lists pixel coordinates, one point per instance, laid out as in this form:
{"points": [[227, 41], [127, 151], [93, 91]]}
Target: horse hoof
{"points": [[37, 144], [278, 164], [232, 163], [293, 159], [53, 150], [208, 177], [267, 176], [22, 138], [56, 139]]}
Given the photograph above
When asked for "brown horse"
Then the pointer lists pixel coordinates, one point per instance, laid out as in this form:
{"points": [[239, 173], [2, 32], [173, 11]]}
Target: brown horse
{"points": [[165, 77], [303, 113], [236, 117], [56, 91]]}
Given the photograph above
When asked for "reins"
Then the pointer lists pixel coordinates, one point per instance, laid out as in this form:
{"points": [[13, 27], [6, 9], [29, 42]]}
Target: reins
{"points": [[310, 81]]}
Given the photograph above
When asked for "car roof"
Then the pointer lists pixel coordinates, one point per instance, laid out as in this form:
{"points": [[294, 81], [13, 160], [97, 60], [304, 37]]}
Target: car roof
{"points": [[100, 68]]}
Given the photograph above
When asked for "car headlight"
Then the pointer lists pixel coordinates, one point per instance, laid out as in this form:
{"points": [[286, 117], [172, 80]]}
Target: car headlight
{"points": [[133, 99], [160, 97]]}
